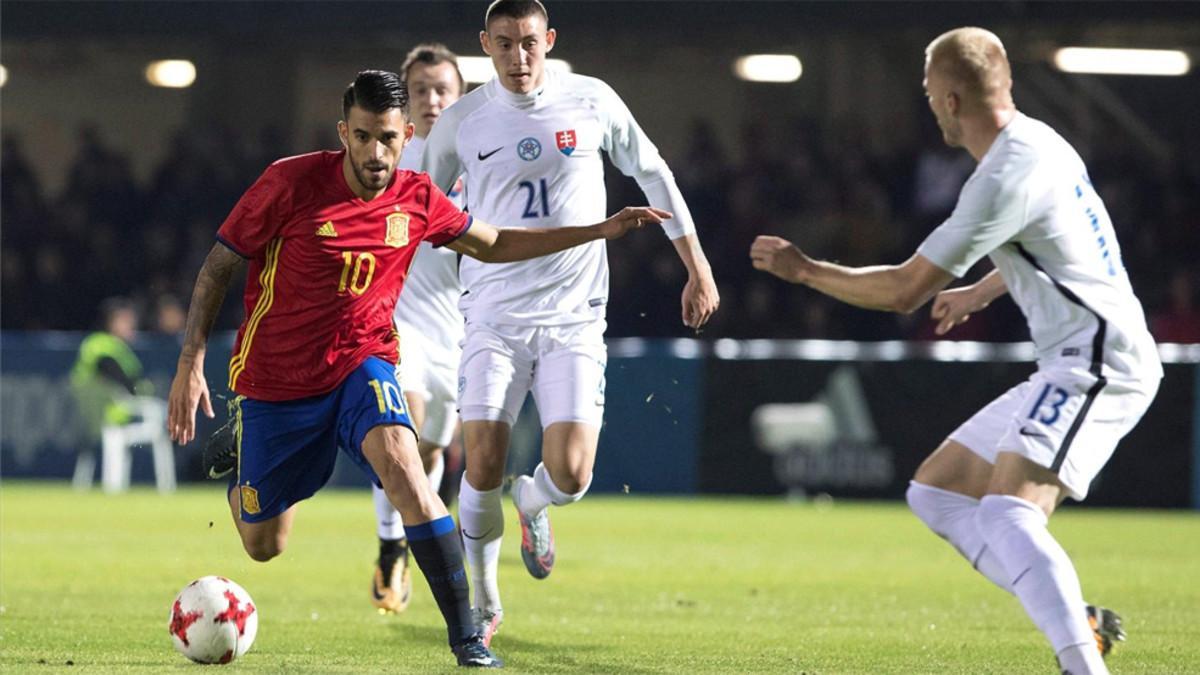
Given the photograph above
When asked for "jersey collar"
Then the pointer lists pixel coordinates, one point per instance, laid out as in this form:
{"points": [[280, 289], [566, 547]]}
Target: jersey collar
{"points": [[525, 101]]}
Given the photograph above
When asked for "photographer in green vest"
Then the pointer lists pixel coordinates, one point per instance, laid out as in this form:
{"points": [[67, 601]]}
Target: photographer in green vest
{"points": [[107, 370], [115, 404]]}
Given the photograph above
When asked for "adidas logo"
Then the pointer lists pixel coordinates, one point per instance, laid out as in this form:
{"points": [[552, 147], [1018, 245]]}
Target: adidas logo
{"points": [[327, 230]]}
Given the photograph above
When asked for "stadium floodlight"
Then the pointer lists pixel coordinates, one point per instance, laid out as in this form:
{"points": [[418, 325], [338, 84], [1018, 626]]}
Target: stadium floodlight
{"points": [[3, 76], [171, 73], [768, 68], [479, 69], [1109, 61]]}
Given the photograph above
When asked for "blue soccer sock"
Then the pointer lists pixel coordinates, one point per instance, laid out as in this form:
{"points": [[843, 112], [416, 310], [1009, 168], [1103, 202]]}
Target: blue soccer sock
{"points": [[438, 553]]}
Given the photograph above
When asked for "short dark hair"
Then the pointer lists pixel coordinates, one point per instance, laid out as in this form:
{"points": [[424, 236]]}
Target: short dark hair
{"points": [[112, 306], [376, 91], [515, 9], [432, 54]]}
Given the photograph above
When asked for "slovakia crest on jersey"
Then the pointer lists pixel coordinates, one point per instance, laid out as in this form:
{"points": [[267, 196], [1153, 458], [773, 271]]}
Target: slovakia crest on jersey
{"points": [[565, 141]]}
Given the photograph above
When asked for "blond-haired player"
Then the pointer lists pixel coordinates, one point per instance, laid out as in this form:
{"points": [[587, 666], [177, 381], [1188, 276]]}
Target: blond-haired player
{"points": [[1031, 208]]}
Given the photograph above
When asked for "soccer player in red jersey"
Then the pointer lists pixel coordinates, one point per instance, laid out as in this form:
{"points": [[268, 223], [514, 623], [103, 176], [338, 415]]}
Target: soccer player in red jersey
{"points": [[329, 237]]}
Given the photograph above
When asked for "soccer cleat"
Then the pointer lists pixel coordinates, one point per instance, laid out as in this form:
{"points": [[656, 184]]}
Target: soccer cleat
{"points": [[391, 588], [220, 452], [1106, 626], [487, 623], [474, 654], [537, 537]]}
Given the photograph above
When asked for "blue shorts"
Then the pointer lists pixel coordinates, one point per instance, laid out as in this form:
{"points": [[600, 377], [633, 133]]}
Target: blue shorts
{"points": [[287, 449]]}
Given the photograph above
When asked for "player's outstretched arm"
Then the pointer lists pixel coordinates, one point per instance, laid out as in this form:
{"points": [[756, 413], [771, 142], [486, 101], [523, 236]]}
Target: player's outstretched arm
{"points": [[189, 388], [893, 288], [494, 245], [954, 306]]}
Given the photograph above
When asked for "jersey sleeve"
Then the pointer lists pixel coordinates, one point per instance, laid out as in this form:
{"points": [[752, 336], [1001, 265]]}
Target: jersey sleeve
{"points": [[988, 214], [258, 216], [446, 221], [440, 157], [635, 155]]}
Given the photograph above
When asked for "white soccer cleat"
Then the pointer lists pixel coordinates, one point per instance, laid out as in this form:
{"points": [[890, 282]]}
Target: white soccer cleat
{"points": [[537, 537]]}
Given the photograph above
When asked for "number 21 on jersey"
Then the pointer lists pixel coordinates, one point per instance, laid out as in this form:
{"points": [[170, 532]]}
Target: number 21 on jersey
{"points": [[537, 203]]}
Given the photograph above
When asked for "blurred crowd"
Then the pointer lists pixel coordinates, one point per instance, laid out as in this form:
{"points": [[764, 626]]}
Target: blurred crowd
{"points": [[827, 191], [106, 233]]}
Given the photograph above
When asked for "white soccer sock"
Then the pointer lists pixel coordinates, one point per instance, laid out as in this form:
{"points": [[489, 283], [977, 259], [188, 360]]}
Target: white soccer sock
{"points": [[387, 518], [1080, 659], [542, 492], [1043, 577], [436, 472], [951, 516], [481, 519]]}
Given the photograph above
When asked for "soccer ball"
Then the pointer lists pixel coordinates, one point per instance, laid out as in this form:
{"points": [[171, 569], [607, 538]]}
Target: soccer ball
{"points": [[213, 620]]}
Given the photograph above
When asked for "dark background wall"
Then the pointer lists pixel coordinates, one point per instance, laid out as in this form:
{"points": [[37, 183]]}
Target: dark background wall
{"points": [[111, 186]]}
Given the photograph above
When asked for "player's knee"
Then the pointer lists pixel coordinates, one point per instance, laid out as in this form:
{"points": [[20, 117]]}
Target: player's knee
{"points": [[574, 484], [485, 472], [919, 504], [430, 454], [403, 480], [262, 549], [565, 487]]}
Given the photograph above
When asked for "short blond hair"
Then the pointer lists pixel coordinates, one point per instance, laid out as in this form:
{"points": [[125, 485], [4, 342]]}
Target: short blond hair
{"points": [[974, 58]]}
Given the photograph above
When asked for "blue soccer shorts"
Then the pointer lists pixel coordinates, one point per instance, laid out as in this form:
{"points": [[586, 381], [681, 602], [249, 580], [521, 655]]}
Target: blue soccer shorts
{"points": [[287, 449]]}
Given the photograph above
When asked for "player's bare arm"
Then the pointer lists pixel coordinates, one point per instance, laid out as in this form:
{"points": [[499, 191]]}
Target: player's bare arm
{"points": [[189, 388], [700, 298], [952, 307], [488, 243], [894, 288]]}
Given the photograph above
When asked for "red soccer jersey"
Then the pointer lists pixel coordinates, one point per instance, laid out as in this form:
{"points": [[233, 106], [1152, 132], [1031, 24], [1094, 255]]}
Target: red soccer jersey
{"points": [[325, 270]]}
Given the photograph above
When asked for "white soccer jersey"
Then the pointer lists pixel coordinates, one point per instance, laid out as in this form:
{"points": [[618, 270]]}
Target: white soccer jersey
{"points": [[534, 161], [429, 302], [1031, 208]]}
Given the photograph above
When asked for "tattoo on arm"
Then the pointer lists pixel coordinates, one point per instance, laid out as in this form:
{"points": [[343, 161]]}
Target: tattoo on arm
{"points": [[211, 286]]}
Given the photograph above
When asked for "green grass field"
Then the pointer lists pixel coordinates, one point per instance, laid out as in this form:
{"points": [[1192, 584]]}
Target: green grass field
{"points": [[641, 586]]}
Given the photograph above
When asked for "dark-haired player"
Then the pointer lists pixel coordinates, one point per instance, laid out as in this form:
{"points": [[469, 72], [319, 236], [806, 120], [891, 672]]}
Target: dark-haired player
{"points": [[530, 144], [329, 237]]}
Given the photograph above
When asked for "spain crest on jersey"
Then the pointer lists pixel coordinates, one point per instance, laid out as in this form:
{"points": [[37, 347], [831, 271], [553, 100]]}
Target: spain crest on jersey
{"points": [[397, 230], [565, 141]]}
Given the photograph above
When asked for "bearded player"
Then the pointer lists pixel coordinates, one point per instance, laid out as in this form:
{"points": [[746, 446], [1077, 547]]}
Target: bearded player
{"points": [[329, 237]]}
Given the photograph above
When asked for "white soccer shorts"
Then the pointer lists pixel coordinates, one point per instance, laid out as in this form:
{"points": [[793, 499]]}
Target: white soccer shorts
{"points": [[1061, 419], [429, 370], [562, 365]]}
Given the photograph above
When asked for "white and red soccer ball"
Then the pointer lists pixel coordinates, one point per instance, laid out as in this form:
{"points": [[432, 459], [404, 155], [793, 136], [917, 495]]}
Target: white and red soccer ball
{"points": [[213, 620]]}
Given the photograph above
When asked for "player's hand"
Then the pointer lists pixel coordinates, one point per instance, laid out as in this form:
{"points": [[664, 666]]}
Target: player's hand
{"points": [[631, 218], [779, 257], [188, 389], [700, 299], [954, 307]]}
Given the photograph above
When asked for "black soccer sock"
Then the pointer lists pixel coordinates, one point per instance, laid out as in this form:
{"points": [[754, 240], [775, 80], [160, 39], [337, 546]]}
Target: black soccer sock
{"points": [[390, 551], [438, 553]]}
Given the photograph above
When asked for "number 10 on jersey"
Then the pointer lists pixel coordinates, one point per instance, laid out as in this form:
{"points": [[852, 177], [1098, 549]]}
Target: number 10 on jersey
{"points": [[388, 397], [535, 196]]}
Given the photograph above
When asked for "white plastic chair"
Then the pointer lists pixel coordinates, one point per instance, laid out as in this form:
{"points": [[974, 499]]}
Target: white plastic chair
{"points": [[117, 442]]}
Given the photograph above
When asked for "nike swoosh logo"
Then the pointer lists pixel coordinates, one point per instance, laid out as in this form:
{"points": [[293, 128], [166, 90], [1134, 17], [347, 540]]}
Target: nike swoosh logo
{"points": [[468, 536], [484, 155], [1028, 432]]}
